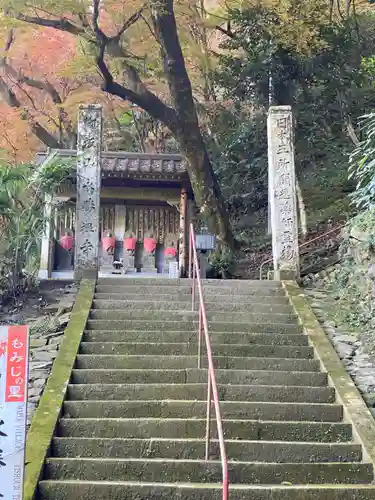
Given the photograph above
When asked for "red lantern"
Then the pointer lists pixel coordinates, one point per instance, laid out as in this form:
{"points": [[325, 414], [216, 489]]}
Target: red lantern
{"points": [[150, 244], [108, 243], [66, 242], [129, 244], [170, 252]]}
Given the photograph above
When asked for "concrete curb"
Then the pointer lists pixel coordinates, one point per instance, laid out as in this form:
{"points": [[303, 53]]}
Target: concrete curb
{"points": [[355, 409], [45, 419]]}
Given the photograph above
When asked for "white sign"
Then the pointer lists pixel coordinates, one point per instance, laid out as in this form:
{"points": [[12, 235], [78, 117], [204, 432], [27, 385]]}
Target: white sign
{"points": [[173, 270], [14, 355]]}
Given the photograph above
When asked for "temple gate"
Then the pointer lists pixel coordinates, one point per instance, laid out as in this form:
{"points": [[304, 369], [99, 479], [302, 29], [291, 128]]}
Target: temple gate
{"points": [[145, 206]]}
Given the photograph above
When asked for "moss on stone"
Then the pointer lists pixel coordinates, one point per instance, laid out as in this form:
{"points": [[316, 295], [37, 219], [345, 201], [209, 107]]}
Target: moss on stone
{"points": [[355, 409], [45, 419]]}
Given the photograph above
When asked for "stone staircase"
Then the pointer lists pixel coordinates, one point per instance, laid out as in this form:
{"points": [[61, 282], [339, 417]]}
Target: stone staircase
{"points": [[133, 423]]}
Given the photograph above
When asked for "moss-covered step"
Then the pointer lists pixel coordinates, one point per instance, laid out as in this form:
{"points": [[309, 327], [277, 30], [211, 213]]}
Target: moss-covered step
{"points": [[150, 376], [147, 428], [188, 315], [44, 422], [184, 449], [140, 289], [91, 490], [315, 412], [183, 282], [157, 348], [280, 393], [170, 361], [191, 325], [185, 296], [177, 305], [159, 471], [275, 339]]}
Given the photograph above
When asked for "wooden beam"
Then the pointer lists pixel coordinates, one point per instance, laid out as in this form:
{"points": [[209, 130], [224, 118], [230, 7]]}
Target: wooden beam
{"points": [[144, 193], [183, 232]]}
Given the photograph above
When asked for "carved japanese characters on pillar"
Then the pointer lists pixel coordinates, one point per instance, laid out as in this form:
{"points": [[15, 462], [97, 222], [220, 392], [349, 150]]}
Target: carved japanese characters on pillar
{"points": [[88, 191], [281, 175]]}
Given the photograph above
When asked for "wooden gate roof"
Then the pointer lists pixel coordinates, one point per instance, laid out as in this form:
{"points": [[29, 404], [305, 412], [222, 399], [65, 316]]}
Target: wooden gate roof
{"points": [[120, 164]]}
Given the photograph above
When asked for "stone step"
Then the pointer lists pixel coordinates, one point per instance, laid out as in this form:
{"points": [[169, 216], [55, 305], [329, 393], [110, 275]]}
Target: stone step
{"points": [[315, 412], [147, 290], [189, 336], [182, 316], [185, 349], [250, 377], [214, 326], [175, 305], [147, 428], [91, 490], [183, 449], [181, 283], [185, 296], [108, 361], [91, 469], [118, 392]]}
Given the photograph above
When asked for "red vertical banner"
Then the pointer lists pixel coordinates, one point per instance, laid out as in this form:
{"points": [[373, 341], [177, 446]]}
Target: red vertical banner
{"points": [[16, 364]]}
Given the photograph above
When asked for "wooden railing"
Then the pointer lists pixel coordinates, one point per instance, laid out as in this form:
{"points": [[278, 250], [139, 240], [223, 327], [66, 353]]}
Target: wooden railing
{"points": [[212, 392]]}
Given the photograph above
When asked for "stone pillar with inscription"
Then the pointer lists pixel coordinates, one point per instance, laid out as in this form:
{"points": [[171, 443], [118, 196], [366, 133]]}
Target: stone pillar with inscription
{"points": [[282, 192], [45, 254], [88, 191]]}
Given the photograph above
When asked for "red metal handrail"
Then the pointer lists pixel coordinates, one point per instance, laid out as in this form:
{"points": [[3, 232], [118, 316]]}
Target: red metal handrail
{"points": [[212, 392]]}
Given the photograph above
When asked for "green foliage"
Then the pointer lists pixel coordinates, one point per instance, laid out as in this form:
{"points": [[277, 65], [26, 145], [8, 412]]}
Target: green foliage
{"points": [[222, 263], [351, 282], [327, 82], [362, 166], [22, 221], [52, 173]]}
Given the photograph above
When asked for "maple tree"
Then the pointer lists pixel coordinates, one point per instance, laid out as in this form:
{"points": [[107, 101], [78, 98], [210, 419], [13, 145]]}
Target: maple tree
{"points": [[113, 41]]}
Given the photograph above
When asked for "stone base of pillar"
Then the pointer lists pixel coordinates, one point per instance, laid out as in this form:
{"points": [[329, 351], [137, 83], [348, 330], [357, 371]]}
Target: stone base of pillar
{"points": [[107, 269], [128, 262], [148, 264], [85, 274], [285, 275], [43, 274]]}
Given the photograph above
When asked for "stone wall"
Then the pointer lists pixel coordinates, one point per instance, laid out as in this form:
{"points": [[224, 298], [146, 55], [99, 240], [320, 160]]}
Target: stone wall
{"points": [[343, 298]]}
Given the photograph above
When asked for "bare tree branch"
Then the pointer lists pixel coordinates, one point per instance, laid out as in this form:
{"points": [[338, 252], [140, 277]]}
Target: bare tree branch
{"points": [[138, 93], [129, 22], [20, 79], [227, 32], [62, 24], [12, 100]]}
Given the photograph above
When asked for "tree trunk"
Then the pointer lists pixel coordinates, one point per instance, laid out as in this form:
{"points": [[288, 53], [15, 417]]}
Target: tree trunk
{"points": [[180, 117], [187, 132], [206, 188]]}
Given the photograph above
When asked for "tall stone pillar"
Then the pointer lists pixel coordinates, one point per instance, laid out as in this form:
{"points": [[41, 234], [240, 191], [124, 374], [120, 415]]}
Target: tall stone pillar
{"points": [[282, 192], [183, 232], [88, 191], [45, 251]]}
